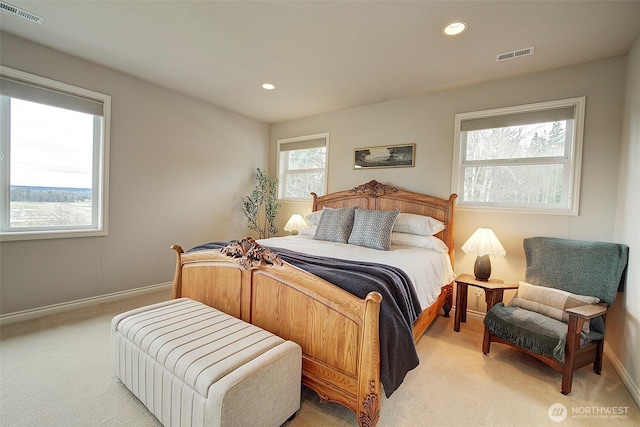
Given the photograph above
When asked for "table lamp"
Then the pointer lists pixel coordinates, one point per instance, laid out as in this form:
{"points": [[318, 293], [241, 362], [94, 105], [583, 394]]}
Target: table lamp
{"points": [[483, 243], [295, 224]]}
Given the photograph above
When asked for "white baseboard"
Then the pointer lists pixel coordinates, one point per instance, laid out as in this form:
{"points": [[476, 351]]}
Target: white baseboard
{"points": [[633, 388], [471, 313], [475, 313], [19, 316]]}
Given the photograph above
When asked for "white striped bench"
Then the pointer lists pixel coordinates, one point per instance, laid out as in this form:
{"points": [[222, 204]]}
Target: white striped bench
{"points": [[193, 365]]}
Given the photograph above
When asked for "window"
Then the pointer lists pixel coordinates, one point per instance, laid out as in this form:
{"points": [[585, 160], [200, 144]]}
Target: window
{"points": [[525, 158], [302, 166], [54, 142]]}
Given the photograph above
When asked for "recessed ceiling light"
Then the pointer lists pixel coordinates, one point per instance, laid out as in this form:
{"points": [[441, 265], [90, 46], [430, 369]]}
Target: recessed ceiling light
{"points": [[454, 28], [268, 86]]}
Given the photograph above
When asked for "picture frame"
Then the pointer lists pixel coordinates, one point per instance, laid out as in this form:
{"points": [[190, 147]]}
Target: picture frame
{"points": [[385, 156]]}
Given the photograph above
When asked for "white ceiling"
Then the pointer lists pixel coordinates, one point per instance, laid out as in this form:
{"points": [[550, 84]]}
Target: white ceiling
{"points": [[325, 55]]}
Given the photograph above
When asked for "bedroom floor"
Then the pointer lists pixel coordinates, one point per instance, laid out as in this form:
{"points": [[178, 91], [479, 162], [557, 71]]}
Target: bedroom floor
{"points": [[56, 371]]}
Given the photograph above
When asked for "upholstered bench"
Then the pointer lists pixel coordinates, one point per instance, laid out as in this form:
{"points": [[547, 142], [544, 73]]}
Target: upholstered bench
{"points": [[193, 365]]}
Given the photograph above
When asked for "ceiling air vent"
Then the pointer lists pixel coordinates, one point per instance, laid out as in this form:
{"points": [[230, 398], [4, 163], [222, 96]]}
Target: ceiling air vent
{"points": [[515, 54], [6, 7]]}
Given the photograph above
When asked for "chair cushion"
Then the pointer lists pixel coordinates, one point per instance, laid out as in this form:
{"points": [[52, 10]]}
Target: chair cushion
{"points": [[550, 301], [532, 331]]}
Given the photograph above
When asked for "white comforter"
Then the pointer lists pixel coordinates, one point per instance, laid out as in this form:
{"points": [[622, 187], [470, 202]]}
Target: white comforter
{"points": [[428, 269]]}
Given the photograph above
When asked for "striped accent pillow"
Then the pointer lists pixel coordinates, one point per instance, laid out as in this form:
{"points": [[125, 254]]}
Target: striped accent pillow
{"points": [[550, 301]]}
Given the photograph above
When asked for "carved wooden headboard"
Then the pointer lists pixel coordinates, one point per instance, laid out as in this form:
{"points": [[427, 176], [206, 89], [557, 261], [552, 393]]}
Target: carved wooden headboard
{"points": [[375, 195]]}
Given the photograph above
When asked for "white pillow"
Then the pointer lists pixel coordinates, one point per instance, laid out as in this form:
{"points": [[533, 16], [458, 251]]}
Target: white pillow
{"points": [[427, 242], [309, 231], [417, 224], [314, 217]]}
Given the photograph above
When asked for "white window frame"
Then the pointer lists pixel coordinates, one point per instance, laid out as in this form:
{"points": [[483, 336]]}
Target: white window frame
{"points": [[100, 180], [282, 168], [572, 158]]}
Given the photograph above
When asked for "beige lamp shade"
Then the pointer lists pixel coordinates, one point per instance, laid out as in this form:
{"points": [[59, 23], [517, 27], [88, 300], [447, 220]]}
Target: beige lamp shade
{"points": [[295, 224], [483, 243]]}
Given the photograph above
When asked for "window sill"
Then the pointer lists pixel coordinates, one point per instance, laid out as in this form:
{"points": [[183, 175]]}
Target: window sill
{"points": [[44, 235], [517, 210]]}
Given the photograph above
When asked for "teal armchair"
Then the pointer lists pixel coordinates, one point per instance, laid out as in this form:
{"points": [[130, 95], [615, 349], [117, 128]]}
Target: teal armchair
{"points": [[558, 315]]}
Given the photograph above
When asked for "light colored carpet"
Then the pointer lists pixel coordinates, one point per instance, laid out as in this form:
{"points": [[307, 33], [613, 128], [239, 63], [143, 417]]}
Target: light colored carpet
{"points": [[56, 371]]}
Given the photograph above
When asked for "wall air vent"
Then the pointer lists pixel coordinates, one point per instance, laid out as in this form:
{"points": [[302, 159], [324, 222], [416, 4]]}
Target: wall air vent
{"points": [[6, 7], [515, 54]]}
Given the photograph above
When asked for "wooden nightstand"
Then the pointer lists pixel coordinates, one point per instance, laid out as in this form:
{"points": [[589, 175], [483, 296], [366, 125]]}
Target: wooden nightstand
{"points": [[493, 292]]}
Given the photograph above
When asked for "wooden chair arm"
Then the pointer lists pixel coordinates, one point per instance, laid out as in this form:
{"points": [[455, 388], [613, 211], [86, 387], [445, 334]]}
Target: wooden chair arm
{"points": [[577, 317], [587, 312]]}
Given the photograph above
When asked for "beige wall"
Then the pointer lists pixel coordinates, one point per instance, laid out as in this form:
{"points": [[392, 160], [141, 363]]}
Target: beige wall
{"points": [[428, 121], [623, 331], [178, 168]]}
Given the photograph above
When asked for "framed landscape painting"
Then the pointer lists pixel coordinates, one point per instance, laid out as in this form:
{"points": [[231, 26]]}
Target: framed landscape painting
{"points": [[390, 156]]}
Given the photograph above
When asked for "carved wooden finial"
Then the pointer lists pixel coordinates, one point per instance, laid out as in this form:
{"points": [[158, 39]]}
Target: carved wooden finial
{"points": [[374, 188], [247, 252]]}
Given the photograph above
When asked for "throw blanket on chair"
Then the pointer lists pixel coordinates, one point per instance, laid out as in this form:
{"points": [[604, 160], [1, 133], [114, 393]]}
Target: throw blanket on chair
{"points": [[581, 267], [398, 310]]}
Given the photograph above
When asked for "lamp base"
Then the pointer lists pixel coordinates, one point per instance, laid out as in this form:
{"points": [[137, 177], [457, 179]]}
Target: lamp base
{"points": [[482, 268]]}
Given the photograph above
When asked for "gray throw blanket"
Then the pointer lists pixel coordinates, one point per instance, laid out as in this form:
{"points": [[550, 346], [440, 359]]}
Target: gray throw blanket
{"points": [[581, 267], [398, 310]]}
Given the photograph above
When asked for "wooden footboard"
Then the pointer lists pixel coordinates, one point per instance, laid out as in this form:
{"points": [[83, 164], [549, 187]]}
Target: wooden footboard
{"points": [[444, 302], [337, 331]]}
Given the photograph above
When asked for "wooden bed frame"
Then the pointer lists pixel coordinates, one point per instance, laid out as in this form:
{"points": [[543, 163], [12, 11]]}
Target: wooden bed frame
{"points": [[337, 331]]}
